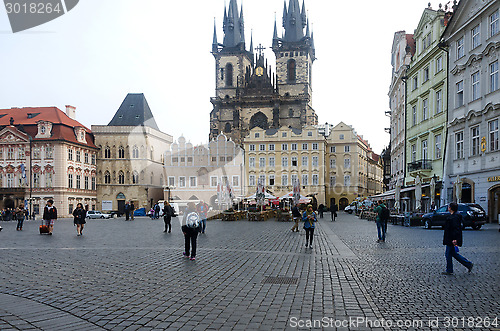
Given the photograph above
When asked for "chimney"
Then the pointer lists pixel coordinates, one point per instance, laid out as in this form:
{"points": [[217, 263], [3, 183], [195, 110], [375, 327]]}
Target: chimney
{"points": [[71, 112]]}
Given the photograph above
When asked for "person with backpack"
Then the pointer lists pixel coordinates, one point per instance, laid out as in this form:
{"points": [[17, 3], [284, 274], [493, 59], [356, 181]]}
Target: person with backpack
{"points": [[191, 225], [168, 213], [383, 215]]}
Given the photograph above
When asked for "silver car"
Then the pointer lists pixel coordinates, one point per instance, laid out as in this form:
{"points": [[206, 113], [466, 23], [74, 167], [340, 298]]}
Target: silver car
{"points": [[97, 214]]}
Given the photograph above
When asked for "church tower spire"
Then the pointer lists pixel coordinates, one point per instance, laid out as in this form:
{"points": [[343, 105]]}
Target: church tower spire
{"points": [[233, 26]]}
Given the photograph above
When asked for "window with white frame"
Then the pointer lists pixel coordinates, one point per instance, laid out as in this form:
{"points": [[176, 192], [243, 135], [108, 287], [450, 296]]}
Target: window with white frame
{"points": [[251, 180], [333, 180], [236, 181], [295, 178], [341, 137], [86, 158], [78, 181], [78, 156], [70, 154], [347, 148], [460, 47], [262, 179], [93, 183], [107, 179], [315, 161], [494, 23], [251, 162], [332, 149], [437, 140], [294, 161], [284, 162], [49, 152], [305, 161], [425, 109], [425, 155], [413, 153], [494, 76], [182, 181], [439, 64], [315, 179], [304, 147], [272, 162], [10, 180], [251, 147], [271, 147], [475, 37], [192, 181], [315, 146], [262, 147], [86, 182], [11, 153], [305, 179], [284, 147], [213, 181], [262, 162], [476, 89], [493, 128], [283, 134], [414, 83], [309, 133], [257, 135], [347, 180], [414, 115], [36, 180], [426, 74], [460, 94], [294, 147], [333, 163], [347, 163], [171, 181], [271, 180], [439, 101], [459, 145], [284, 180], [475, 141], [48, 179]]}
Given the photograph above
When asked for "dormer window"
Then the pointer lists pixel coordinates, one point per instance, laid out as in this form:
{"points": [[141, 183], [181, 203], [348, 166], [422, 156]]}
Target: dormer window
{"points": [[42, 129]]}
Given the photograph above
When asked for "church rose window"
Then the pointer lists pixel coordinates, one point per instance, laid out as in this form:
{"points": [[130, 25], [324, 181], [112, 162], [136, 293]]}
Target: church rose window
{"points": [[259, 120]]}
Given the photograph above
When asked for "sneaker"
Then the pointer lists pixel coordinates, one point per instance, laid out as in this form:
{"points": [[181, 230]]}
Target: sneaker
{"points": [[185, 255], [306, 246], [378, 240], [447, 273], [192, 258], [78, 235], [50, 233], [470, 268]]}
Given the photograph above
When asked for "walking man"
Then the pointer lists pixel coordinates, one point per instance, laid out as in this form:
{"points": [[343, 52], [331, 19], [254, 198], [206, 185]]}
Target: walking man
{"points": [[127, 211], [296, 218], [333, 211], [382, 217], [190, 227], [50, 215], [452, 239]]}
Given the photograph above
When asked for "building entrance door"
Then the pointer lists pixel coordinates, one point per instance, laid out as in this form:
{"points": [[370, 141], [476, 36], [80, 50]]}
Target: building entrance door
{"points": [[121, 206], [494, 204], [343, 203]]}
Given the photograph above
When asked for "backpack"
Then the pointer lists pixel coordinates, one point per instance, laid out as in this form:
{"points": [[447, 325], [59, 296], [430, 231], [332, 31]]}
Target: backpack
{"points": [[193, 220], [385, 214]]}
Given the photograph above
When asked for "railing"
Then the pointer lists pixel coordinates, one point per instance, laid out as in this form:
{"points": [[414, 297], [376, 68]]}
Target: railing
{"points": [[420, 165]]}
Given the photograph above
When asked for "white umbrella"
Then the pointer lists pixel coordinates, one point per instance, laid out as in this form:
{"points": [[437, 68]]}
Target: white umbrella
{"points": [[458, 188], [266, 196], [289, 195], [433, 189], [418, 193], [397, 195]]}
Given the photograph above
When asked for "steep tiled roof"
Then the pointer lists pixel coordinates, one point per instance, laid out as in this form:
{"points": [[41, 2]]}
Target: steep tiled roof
{"points": [[134, 111]]}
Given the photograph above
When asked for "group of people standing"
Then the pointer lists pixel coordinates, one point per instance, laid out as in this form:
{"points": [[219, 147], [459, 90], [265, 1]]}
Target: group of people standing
{"points": [[129, 211]]}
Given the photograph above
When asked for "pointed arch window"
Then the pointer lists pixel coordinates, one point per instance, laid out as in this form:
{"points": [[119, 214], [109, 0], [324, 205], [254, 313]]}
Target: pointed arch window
{"points": [[107, 178], [121, 177], [135, 152], [121, 152], [229, 74], [107, 152], [227, 128], [291, 70], [135, 177]]}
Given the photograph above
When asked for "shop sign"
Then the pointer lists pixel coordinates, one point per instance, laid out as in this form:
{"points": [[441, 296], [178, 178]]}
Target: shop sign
{"points": [[494, 179], [482, 199]]}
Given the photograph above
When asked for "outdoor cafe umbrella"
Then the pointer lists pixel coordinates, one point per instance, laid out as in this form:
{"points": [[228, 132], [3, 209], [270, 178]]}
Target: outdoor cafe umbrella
{"points": [[397, 196], [289, 195], [433, 189], [418, 193], [266, 196], [458, 188]]}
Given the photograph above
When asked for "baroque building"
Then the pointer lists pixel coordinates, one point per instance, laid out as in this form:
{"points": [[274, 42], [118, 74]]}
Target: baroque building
{"points": [[46, 154], [473, 154], [130, 158], [247, 93]]}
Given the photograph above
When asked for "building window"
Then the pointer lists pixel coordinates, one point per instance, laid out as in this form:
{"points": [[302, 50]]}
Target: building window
{"points": [[283, 134], [251, 180], [252, 147], [439, 64], [305, 180], [284, 162], [284, 147], [439, 101], [78, 156], [86, 158], [493, 128], [121, 177], [341, 137], [347, 163], [459, 145], [494, 23], [171, 181], [107, 178], [414, 83], [460, 47], [236, 181], [284, 180], [295, 178], [192, 181], [107, 152], [121, 152], [36, 180], [229, 74], [438, 146], [426, 74], [213, 181], [347, 180], [304, 147], [291, 70], [309, 133], [257, 135], [70, 180], [78, 180], [135, 177], [48, 179], [294, 147], [315, 161], [262, 147], [86, 182], [305, 161], [475, 37], [414, 115], [182, 181], [413, 153], [475, 86], [315, 179], [294, 161], [271, 147], [475, 144], [262, 179], [347, 148], [135, 152], [93, 159], [315, 146], [460, 94], [333, 180], [425, 156], [93, 183], [11, 153], [272, 163], [262, 162], [271, 180], [332, 149], [494, 76], [251, 162], [49, 152], [425, 109], [333, 163]]}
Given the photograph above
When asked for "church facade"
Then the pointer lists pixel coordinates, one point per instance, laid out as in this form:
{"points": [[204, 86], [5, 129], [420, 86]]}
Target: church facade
{"points": [[248, 93]]}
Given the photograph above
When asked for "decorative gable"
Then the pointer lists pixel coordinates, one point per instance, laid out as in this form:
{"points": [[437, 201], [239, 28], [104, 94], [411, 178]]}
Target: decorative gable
{"points": [[44, 129], [12, 135]]}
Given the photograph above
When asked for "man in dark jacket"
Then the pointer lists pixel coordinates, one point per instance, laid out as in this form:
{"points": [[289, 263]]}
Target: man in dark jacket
{"points": [[333, 211], [50, 215], [168, 213], [452, 239], [191, 225]]}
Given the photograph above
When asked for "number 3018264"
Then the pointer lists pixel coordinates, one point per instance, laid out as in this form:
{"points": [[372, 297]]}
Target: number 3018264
{"points": [[32, 8]]}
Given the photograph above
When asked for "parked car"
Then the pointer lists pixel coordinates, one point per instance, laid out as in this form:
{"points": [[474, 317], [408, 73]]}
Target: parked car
{"points": [[97, 214], [351, 208], [473, 215], [112, 213]]}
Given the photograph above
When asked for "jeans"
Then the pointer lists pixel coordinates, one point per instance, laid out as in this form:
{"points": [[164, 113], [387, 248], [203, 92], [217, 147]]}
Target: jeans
{"points": [[168, 224], [309, 235], [20, 223], [203, 225], [333, 215], [190, 238], [449, 253], [381, 229]]}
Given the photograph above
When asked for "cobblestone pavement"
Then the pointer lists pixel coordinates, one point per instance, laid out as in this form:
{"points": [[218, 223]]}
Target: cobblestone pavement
{"points": [[131, 275]]}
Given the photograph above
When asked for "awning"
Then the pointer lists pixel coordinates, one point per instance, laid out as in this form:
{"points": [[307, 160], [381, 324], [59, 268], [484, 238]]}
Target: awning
{"points": [[383, 196]]}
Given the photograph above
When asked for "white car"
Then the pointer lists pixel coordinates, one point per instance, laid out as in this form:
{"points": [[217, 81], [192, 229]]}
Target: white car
{"points": [[97, 214], [351, 208]]}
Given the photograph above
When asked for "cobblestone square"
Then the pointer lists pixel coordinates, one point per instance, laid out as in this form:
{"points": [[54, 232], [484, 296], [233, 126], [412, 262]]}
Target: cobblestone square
{"points": [[131, 275]]}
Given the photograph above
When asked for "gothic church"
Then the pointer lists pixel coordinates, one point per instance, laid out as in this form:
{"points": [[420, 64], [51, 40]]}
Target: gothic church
{"points": [[248, 93]]}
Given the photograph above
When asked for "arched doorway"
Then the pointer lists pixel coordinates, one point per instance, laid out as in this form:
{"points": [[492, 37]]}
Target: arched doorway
{"points": [[343, 202], [494, 203]]}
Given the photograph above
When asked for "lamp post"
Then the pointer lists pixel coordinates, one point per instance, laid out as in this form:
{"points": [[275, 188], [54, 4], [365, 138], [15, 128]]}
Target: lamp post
{"points": [[168, 196], [31, 180]]}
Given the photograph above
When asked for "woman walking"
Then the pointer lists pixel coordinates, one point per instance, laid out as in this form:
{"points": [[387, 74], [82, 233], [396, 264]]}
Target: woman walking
{"points": [[20, 213], [309, 217], [79, 215]]}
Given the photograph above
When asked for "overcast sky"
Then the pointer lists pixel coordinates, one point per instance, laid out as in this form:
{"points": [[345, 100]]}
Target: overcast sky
{"points": [[94, 55]]}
